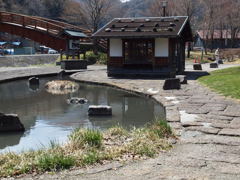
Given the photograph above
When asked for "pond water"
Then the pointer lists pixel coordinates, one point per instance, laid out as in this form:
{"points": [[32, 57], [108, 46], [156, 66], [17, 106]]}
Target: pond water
{"points": [[49, 117]]}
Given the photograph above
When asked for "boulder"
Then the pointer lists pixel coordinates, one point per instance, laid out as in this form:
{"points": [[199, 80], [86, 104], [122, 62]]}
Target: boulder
{"points": [[197, 66], [182, 78], [172, 83], [100, 110], [75, 100], [10, 123], [61, 87], [33, 81], [213, 65], [220, 61]]}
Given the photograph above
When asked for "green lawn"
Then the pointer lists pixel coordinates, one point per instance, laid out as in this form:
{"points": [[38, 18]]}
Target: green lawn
{"points": [[226, 81]]}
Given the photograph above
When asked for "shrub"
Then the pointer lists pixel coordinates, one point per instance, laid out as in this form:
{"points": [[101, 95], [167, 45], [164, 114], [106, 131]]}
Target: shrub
{"points": [[91, 58], [102, 58]]}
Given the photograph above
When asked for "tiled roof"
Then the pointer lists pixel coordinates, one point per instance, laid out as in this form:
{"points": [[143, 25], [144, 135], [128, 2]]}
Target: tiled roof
{"points": [[144, 27]]}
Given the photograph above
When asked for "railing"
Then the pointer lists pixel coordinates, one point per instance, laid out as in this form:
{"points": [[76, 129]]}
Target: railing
{"points": [[37, 23]]}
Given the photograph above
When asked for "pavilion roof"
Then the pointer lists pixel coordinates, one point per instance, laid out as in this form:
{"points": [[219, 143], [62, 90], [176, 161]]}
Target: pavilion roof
{"points": [[146, 27]]}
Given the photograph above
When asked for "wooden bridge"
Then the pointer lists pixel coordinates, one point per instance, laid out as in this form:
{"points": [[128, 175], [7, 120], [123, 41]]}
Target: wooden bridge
{"points": [[51, 33]]}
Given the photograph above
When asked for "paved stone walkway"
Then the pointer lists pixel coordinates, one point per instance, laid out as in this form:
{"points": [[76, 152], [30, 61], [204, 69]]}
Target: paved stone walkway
{"points": [[208, 126], [13, 73]]}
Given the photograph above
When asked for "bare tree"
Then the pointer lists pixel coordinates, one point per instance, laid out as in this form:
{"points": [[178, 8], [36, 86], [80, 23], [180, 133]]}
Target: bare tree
{"points": [[54, 8], [2, 5], [95, 12], [156, 8], [233, 16]]}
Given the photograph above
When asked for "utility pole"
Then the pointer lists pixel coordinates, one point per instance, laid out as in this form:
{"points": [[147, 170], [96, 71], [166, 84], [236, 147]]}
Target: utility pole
{"points": [[164, 5]]}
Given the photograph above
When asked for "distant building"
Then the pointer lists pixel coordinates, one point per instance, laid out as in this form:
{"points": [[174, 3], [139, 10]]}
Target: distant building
{"points": [[220, 39], [146, 46]]}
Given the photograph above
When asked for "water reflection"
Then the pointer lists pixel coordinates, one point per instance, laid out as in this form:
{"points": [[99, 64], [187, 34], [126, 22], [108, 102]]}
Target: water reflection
{"points": [[49, 117]]}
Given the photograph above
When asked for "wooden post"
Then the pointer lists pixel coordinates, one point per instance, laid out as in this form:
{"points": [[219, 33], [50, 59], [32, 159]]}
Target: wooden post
{"points": [[61, 54]]}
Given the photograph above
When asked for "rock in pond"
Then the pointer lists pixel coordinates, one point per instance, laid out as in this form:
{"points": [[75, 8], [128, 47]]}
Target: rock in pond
{"points": [[75, 100], [100, 110], [10, 123], [33, 81], [61, 87], [172, 83], [197, 66]]}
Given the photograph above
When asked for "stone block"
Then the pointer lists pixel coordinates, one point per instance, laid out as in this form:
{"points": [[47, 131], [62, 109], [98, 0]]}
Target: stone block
{"points": [[99, 110], [213, 65], [10, 123], [182, 78], [197, 66], [172, 83]]}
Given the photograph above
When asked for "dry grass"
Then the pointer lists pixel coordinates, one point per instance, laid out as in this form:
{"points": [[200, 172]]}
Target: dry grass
{"points": [[196, 55], [86, 147]]}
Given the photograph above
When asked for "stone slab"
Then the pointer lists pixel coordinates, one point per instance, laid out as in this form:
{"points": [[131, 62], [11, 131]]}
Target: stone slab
{"points": [[197, 110], [235, 122], [233, 111], [230, 132], [203, 129]]}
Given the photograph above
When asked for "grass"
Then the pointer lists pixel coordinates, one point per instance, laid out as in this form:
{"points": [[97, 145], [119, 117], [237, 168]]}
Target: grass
{"points": [[88, 147], [89, 137], [225, 82], [54, 162]]}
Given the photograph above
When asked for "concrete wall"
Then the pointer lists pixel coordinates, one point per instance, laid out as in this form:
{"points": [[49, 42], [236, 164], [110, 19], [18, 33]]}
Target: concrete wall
{"points": [[161, 47], [27, 60], [116, 48]]}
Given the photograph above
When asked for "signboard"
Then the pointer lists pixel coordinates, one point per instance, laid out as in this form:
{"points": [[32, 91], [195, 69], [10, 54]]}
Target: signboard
{"points": [[74, 44]]}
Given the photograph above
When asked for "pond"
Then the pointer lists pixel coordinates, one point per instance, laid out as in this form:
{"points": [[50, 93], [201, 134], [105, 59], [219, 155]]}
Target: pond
{"points": [[49, 117]]}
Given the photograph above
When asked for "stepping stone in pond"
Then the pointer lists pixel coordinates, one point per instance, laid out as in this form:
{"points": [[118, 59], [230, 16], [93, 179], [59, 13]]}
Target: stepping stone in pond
{"points": [[99, 110]]}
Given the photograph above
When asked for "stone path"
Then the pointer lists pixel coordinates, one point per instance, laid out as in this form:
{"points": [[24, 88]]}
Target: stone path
{"points": [[13, 73], [208, 126]]}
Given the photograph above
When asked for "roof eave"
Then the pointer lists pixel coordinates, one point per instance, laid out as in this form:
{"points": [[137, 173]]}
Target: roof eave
{"points": [[134, 37]]}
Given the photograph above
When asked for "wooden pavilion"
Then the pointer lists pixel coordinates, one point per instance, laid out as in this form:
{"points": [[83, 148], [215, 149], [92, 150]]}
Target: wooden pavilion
{"points": [[152, 46]]}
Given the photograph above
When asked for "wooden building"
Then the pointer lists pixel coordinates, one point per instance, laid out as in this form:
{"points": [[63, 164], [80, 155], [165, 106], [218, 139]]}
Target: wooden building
{"points": [[152, 46], [217, 39]]}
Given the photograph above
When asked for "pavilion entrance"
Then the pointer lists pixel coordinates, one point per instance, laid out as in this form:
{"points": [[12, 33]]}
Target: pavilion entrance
{"points": [[138, 53]]}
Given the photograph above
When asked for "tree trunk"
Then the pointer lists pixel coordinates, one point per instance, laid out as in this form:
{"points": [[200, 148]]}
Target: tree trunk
{"points": [[189, 49]]}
